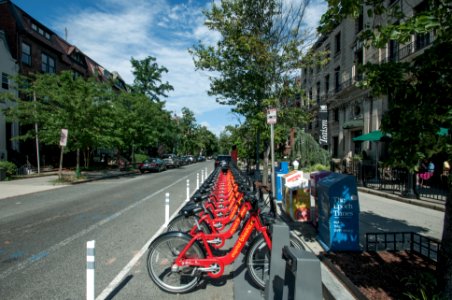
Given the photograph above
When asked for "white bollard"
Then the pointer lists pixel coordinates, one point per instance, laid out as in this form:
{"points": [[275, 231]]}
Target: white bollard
{"points": [[206, 173], [90, 267], [166, 209], [197, 181], [188, 190], [202, 176]]}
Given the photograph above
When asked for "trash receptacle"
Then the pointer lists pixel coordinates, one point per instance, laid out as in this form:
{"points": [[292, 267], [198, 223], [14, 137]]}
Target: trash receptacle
{"points": [[338, 224], [2, 174]]}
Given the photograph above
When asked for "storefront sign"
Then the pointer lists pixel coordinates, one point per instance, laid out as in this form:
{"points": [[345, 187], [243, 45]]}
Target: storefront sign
{"points": [[323, 118]]}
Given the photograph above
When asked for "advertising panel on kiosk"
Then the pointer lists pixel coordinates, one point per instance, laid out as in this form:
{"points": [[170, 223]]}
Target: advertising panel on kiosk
{"points": [[338, 224]]}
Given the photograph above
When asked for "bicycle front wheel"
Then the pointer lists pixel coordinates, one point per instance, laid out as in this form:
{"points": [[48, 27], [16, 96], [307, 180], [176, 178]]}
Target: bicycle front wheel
{"points": [[161, 256], [258, 259], [186, 224]]}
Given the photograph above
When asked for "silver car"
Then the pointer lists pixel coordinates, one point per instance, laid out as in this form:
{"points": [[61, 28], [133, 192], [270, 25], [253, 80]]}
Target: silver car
{"points": [[171, 160]]}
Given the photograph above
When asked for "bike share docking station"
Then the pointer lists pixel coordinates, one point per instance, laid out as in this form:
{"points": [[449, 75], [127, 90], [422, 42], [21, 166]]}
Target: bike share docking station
{"points": [[294, 273]]}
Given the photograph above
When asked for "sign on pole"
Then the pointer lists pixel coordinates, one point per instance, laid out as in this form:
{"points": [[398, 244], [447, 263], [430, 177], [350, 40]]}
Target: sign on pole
{"points": [[271, 120], [271, 116], [323, 118], [63, 138], [63, 143]]}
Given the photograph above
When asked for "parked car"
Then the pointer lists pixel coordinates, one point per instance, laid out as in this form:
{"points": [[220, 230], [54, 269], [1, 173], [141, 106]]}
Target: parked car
{"points": [[220, 158], [152, 164], [201, 158], [171, 160], [191, 159]]}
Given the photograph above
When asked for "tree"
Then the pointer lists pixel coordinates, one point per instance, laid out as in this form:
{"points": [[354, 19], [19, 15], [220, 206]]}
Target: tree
{"points": [[260, 46], [62, 101], [187, 124], [419, 93], [139, 123], [148, 78]]}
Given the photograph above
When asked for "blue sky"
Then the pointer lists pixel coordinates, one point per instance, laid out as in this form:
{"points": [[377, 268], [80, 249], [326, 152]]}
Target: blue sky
{"points": [[113, 31]]}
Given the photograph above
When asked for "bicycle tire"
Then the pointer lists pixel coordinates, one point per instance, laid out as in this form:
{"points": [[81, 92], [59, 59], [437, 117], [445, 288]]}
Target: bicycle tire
{"points": [[185, 224], [161, 255], [258, 259]]}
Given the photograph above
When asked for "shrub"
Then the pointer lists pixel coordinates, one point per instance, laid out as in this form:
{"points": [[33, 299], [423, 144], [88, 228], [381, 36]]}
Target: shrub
{"points": [[10, 167]]}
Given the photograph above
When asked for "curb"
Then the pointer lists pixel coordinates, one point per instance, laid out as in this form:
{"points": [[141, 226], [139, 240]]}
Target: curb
{"points": [[104, 177], [423, 203], [347, 283]]}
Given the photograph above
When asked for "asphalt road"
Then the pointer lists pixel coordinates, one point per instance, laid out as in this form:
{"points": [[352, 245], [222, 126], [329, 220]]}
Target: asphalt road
{"points": [[43, 238]]}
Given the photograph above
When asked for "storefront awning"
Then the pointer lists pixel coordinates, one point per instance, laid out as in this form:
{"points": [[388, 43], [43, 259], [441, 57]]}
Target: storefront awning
{"points": [[372, 136], [443, 131], [353, 124]]}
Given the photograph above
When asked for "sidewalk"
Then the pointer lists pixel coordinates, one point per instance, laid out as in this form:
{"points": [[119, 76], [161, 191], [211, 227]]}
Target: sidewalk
{"points": [[49, 180]]}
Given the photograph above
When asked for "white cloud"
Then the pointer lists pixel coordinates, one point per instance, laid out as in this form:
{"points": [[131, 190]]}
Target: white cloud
{"points": [[113, 31]]}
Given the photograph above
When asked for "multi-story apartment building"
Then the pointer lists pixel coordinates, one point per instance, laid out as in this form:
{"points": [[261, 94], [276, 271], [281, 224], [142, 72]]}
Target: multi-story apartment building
{"points": [[37, 49], [8, 69], [352, 111]]}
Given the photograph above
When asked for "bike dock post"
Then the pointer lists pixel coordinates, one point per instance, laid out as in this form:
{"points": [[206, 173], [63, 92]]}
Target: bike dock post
{"points": [[302, 274], [274, 289]]}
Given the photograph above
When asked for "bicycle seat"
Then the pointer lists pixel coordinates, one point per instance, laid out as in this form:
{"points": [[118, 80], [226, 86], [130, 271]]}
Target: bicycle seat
{"points": [[199, 197], [191, 209]]}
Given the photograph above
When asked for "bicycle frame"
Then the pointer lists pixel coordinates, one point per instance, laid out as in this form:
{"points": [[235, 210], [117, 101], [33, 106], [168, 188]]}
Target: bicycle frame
{"points": [[253, 223], [223, 236]]}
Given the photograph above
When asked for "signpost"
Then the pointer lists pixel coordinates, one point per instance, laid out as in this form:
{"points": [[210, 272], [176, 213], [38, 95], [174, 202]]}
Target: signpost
{"points": [[271, 120], [63, 143]]}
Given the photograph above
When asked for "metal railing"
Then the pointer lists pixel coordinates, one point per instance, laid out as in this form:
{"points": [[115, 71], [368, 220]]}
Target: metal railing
{"points": [[400, 241], [395, 180]]}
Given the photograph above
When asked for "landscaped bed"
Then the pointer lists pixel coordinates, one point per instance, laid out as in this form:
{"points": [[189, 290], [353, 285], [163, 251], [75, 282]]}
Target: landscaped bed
{"points": [[383, 274]]}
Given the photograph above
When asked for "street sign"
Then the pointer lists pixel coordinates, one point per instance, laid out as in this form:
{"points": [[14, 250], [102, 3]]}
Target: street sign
{"points": [[271, 116], [63, 137]]}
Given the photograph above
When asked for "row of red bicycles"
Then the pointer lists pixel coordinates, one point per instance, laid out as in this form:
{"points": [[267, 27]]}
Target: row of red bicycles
{"points": [[226, 207]]}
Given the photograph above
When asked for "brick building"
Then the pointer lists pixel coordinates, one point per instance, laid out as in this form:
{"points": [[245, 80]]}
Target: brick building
{"points": [[35, 48]]}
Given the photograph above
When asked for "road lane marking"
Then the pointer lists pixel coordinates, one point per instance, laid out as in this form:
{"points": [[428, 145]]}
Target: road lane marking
{"points": [[122, 274], [22, 265]]}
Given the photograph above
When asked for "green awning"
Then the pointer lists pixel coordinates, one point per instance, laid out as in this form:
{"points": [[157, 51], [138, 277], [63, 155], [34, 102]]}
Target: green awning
{"points": [[353, 124], [372, 136], [443, 131]]}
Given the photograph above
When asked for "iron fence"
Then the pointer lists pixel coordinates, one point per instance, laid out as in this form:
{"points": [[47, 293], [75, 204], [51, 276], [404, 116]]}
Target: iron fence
{"points": [[396, 180], [400, 241]]}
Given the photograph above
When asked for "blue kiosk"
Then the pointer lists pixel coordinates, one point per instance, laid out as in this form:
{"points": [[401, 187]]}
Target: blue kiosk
{"points": [[338, 224], [280, 172]]}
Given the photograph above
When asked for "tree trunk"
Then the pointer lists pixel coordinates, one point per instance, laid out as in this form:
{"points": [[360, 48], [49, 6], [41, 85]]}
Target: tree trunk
{"points": [[445, 253], [77, 168]]}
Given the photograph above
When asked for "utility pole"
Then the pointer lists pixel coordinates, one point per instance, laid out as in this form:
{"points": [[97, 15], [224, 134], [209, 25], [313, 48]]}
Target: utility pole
{"points": [[271, 119]]}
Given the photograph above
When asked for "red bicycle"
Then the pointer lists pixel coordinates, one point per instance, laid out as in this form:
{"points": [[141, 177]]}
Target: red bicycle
{"points": [[177, 261]]}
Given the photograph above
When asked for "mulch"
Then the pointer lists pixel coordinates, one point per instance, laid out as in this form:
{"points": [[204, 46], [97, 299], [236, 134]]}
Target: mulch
{"points": [[382, 275]]}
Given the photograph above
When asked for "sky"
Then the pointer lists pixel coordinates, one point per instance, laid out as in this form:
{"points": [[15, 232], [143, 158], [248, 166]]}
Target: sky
{"points": [[113, 31]]}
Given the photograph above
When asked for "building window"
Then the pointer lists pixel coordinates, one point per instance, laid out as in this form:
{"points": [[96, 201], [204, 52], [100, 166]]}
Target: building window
{"points": [[337, 43], [337, 79], [40, 30], [327, 53], [327, 84], [47, 64], [5, 81], [359, 22], [26, 54], [336, 114], [359, 61], [393, 50], [318, 93]]}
